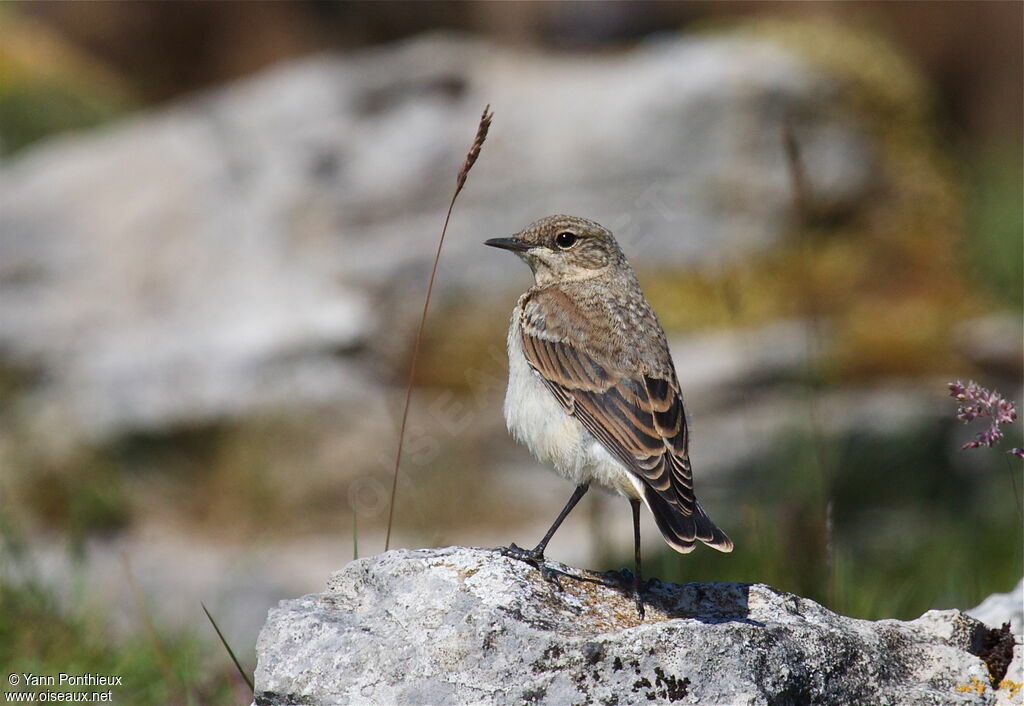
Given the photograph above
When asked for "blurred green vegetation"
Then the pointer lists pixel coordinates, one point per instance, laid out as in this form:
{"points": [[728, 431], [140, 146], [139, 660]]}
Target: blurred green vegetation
{"points": [[46, 87], [994, 247], [42, 633], [872, 527], [29, 112], [84, 496], [228, 480]]}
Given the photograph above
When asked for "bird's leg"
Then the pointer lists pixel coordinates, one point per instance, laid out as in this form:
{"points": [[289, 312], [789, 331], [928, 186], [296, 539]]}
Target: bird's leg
{"points": [[637, 580], [535, 556]]}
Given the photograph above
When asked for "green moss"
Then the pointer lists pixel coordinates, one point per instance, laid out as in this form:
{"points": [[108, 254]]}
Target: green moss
{"points": [[30, 112], [995, 252], [80, 496], [47, 86]]}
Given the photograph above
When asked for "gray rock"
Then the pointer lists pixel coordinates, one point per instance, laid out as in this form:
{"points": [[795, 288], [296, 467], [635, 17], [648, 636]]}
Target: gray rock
{"points": [[468, 626], [1002, 608], [238, 251]]}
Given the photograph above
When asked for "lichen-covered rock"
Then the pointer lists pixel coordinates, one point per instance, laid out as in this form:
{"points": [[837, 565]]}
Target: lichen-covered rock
{"points": [[469, 626]]}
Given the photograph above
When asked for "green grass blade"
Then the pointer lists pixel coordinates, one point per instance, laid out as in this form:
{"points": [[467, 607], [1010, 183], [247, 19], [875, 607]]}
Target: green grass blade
{"points": [[238, 666]]}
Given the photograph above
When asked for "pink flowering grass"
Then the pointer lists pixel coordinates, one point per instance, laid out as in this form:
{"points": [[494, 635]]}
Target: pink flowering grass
{"points": [[977, 402]]}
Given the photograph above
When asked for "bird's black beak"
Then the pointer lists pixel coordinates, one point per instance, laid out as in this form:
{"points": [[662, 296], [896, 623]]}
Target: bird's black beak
{"points": [[514, 244]]}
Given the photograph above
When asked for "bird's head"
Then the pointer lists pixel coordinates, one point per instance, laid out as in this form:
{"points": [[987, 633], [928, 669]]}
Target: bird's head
{"points": [[565, 249]]}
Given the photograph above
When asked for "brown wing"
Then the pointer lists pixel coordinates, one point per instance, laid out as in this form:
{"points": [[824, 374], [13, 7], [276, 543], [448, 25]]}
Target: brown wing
{"points": [[639, 419]]}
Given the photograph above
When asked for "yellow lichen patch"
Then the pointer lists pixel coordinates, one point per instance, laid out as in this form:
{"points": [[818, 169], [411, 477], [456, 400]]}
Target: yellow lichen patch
{"points": [[975, 685], [1013, 687]]}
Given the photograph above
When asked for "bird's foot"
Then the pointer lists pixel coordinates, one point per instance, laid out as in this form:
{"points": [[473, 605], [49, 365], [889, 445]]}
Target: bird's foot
{"points": [[621, 580], [535, 558]]}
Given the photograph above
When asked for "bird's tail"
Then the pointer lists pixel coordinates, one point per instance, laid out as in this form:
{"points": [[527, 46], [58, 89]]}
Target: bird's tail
{"points": [[682, 531]]}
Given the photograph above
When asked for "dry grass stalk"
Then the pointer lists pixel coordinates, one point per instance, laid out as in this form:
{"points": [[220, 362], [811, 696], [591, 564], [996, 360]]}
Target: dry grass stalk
{"points": [[474, 152], [460, 181]]}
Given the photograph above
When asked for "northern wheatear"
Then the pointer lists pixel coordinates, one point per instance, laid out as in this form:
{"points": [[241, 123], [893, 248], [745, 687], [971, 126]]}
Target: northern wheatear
{"points": [[592, 390]]}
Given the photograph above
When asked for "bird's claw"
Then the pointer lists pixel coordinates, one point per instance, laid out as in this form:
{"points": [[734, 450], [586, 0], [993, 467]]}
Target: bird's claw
{"points": [[623, 579], [534, 558], [530, 556]]}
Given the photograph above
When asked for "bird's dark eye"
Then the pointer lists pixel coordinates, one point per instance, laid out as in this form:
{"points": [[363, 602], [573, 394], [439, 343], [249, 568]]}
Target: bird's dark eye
{"points": [[565, 240]]}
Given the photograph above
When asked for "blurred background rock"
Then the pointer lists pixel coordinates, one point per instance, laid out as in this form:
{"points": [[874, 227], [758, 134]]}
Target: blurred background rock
{"points": [[216, 226]]}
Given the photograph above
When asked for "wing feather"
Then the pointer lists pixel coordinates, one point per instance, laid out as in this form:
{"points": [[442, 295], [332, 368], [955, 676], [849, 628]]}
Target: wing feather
{"points": [[637, 415], [639, 421]]}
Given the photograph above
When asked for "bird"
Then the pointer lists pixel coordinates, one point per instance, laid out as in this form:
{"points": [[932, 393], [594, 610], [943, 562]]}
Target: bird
{"points": [[592, 389]]}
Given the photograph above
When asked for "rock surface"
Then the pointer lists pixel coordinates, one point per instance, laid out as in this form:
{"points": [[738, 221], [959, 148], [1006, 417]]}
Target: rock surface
{"points": [[1002, 608], [468, 626]]}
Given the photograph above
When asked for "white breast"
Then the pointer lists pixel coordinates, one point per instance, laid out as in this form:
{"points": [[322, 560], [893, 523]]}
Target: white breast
{"points": [[536, 419]]}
